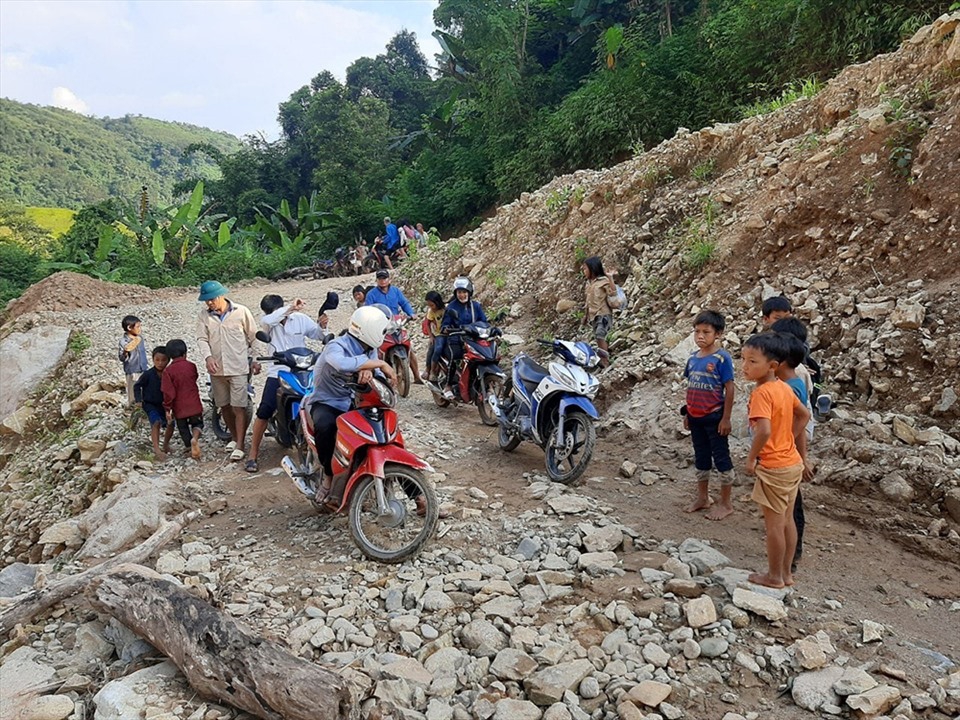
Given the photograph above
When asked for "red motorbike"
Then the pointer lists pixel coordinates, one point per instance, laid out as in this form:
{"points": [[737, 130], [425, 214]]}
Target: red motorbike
{"points": [[396, 351], [391, 506], [478, 377]]}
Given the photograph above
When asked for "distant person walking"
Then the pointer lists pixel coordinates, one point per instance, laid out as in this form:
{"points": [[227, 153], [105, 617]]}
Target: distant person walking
{"points": [[225, 334], [600, 292]]}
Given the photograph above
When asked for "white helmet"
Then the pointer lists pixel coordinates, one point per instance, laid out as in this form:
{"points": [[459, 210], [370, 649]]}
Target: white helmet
{"points": [[463, 283], [368, 325]]}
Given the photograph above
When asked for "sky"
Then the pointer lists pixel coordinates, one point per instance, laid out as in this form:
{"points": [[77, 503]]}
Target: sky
{"points": [[222, 64]]}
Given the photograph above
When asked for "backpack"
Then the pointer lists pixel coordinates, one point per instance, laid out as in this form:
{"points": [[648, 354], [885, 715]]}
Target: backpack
{"points": [[618, 301]]}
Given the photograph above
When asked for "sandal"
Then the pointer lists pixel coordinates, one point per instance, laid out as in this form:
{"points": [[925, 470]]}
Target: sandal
{"points": [[236, 455], [251, 466]]}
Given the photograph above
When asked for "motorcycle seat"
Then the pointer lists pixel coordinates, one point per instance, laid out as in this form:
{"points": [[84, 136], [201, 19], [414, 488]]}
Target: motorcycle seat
{"points": [[530, 372]]}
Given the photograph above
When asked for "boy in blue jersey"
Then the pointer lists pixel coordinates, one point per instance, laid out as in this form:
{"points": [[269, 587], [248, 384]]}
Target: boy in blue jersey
{"points": [[710, 393]]}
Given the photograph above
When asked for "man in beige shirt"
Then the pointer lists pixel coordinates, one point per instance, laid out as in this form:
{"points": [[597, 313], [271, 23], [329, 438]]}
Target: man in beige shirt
{"points": [[225, 335]]}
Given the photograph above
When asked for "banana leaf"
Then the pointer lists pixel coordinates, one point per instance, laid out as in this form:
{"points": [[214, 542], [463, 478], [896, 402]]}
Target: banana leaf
{"points": [[159, 249]]}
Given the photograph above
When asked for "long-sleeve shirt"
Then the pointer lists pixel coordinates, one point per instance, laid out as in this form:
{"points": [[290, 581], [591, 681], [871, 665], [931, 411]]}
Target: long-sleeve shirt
{"points": [[597, 292], [227, 338], [148, 389], [459, 314], [338, 362], [180, 391], [135, 361], [392, 298], [288, 331]]}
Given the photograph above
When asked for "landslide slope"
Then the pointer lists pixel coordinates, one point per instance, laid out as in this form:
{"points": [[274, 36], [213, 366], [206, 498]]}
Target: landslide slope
{"points": [[848, 202]]}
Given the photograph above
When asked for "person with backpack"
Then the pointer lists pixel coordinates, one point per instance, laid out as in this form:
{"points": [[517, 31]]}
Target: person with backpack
{"points": [[601, 300]]}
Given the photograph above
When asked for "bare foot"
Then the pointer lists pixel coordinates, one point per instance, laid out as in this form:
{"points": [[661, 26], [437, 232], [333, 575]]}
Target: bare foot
{"points": [[701, 503], [195, 449], [160, 457], [720, 511], [765, 580], [788, 580]]}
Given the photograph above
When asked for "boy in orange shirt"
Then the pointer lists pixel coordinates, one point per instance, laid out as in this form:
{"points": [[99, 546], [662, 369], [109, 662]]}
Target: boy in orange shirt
{"points": [[777, 421]]}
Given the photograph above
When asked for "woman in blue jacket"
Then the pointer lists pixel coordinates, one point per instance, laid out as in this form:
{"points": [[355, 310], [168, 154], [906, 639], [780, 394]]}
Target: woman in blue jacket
{"points": [[462, 310]]}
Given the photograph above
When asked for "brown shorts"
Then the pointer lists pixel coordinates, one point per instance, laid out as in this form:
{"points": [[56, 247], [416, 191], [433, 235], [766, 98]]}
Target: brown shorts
{"points": [[776, 488], [229, 390]]}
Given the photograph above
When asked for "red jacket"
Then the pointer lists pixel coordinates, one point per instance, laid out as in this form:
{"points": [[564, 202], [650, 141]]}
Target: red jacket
{"points": [[180, 391]]}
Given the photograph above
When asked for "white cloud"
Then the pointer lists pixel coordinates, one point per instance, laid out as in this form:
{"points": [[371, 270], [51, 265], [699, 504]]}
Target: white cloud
{"points": [[225, 64], [62, 97]]}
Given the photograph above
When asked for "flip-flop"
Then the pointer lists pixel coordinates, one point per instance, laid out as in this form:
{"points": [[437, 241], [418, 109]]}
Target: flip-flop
{"points": [[236, 455], [232, 445], [251, 466]]}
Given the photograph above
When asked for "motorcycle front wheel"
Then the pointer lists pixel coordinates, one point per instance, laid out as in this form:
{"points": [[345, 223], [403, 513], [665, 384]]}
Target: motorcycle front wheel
{"points": [[398, 531], [568, 462], [401, 366], [489, 385]]}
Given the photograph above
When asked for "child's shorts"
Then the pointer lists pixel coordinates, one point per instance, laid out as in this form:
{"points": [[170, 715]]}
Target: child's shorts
{"points": [[776, 488], [186, 425], [601, 326], [155, 414]]}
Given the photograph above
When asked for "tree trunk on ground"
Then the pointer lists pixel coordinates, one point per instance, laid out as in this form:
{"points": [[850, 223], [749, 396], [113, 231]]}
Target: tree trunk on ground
{"points": [[220, 658], [39, 600]]}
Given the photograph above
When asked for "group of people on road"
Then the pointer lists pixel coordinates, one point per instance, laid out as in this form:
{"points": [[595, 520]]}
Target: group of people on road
{"points": [[776, 360]]}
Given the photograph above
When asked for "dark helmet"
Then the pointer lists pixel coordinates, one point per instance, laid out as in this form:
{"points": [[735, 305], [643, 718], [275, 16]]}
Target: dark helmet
{"points": [[271, 303], [331, 303]]}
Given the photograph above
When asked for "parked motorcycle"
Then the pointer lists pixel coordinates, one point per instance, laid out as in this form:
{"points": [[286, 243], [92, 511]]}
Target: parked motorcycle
{"points": [[479, 377], [380, 483], [295, 383], [552, 407], [396, 351]]}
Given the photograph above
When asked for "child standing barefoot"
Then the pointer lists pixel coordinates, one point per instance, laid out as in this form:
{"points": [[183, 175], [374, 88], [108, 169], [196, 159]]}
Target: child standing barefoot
{"points": [[181, 396], [148, 391], [132, 353], [710, 392], [778, 421]]}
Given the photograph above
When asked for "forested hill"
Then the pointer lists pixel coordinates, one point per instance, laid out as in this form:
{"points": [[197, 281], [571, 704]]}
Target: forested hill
{"points": [[58, 158]]}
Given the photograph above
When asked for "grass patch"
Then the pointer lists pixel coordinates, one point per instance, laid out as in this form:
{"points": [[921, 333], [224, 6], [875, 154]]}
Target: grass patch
{"points": [[497, 277], [78, 342], [704, 171], [793, 92], [54, 220]]}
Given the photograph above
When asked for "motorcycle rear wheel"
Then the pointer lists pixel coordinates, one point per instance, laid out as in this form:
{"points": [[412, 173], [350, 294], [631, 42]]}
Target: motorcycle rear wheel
{"points": [[580, 436], [218, 424], [401, 366], [401, 533], [508, 441], [490, 384]]}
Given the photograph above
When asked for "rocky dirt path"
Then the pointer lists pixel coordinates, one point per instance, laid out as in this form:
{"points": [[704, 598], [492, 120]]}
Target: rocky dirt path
{"points": [[515, 566]]}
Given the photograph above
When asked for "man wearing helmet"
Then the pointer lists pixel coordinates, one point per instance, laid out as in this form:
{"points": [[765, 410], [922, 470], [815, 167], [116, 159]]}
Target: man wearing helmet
{"points": [[354, 353], [288, 327], [462, 310]]}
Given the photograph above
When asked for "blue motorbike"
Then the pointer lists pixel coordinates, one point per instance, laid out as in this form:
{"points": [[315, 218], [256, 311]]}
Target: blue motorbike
{"points": [[296, 381], [552, 407]]}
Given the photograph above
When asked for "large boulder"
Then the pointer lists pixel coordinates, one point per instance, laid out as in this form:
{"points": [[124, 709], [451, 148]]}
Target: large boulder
{"points": [[25, 358]]}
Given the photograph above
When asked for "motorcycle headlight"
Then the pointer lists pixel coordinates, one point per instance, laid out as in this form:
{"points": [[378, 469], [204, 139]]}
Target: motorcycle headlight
{"points": [[388, 398], [303, 362]]}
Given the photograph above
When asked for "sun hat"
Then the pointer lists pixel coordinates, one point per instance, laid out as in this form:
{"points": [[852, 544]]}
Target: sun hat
{"points": [[211, 289]]}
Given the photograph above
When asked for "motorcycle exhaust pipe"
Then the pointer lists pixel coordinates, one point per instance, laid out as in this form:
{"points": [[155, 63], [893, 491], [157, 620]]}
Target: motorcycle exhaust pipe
{"points": [[293, 472], [494, 404]]}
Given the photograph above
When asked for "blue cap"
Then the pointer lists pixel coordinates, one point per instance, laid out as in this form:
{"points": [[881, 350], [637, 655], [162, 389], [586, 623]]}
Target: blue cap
{"points": [[211, 289]]}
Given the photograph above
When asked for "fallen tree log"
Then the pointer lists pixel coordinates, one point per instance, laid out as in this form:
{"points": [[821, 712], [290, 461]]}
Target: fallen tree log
{"points": [[37, 601], [220, 658]]}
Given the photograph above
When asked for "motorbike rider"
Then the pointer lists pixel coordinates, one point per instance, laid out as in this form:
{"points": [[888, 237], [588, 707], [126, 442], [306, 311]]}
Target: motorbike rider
{"points": [[462, 310], [287, 327], [386, 294], [354, 353]]}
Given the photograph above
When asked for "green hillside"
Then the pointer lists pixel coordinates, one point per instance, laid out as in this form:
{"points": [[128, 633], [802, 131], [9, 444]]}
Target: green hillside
{"points": [[52, 157]]}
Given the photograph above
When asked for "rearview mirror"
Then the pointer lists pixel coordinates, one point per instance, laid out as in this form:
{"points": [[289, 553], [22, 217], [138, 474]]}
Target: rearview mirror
{"points": [[263, 337]]}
